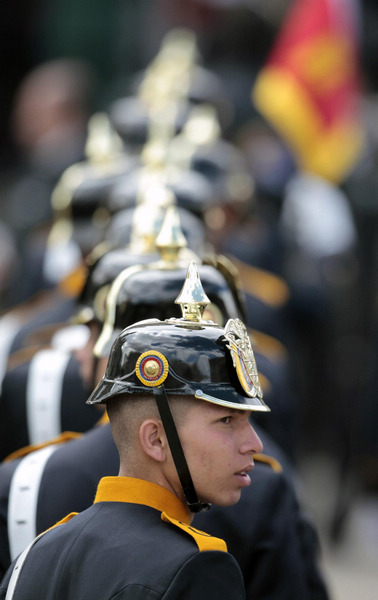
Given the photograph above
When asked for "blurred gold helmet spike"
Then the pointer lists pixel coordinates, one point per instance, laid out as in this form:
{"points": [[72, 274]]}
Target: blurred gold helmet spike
{"points": [[153, 200], [179, 43], [103, 146], [62, 193], [162, 127], [103, 143], [168, 75], [178, 53], [154, 152], [145, 227], [152, 191], [192, 297], [202, 126], [171, 238]]}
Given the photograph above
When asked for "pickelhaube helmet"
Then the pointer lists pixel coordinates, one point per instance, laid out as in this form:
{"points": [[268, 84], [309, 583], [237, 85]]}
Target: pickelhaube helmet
{"points": [[79, 198], [107, 261], [188, 355], [178, 69], [184, 356]]}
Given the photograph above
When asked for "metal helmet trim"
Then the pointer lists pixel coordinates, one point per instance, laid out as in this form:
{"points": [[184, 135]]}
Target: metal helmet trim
{"points": [[260, 406], [243, 358], [110, 310]]}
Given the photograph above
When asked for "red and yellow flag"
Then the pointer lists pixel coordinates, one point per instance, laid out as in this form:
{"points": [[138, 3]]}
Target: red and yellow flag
{"points": [[309, 89]]}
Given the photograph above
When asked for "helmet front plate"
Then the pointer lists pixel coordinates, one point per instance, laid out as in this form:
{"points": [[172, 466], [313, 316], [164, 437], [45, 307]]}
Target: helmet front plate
{"points": [[243, 357]]}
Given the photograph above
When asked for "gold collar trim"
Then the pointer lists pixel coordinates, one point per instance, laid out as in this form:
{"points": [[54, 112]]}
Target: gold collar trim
{"points": [[139, 491]]}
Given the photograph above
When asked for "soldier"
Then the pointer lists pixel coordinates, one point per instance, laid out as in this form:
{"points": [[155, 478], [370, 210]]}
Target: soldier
{"points": [[179, 394], [277, 536]]}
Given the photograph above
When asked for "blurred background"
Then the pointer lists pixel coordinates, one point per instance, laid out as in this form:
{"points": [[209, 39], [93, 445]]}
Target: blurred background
{"points": [[295, 83]]}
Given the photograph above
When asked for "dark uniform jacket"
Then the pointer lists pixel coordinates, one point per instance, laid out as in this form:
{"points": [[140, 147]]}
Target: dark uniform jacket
{"points": [[134, 542], [266, 531]]}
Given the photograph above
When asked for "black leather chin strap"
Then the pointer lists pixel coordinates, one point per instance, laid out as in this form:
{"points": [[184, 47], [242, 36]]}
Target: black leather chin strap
{"points": [[177, 452]]}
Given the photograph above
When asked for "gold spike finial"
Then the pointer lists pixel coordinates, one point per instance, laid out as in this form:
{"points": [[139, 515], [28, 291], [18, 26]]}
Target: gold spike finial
{"points": [[103, 143], [192, 297], [171, 239], [145, 226], [202, 126]]}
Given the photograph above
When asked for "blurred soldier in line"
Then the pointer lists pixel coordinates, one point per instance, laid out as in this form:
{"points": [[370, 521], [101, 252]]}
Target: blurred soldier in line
{"points": [[48, 122], [156, 474], [78, 222], [293, 542]]}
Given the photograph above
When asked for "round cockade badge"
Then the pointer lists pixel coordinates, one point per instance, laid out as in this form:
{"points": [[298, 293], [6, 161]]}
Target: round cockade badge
{"points": [[152, 368]]}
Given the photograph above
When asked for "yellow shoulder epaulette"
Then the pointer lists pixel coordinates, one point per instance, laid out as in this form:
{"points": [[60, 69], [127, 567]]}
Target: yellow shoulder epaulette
{"points": [[203, 540], [72, 284], [268, 345], [104, 419], [269, 460], [65, 436], [268, 287], [265, 383], [62, 521]]}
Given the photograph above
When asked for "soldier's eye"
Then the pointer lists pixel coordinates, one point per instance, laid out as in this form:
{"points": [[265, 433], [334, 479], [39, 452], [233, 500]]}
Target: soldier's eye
{"points": [[226, 420]]}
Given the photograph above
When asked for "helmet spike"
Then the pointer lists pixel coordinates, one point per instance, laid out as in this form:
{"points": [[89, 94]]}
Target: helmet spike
{"points": [[171, 238], [103, 144], [192, 297]]}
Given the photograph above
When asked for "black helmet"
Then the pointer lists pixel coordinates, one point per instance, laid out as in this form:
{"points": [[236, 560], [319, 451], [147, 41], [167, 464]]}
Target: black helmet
{"points": [[100, 276], [208, 362], [147, 291]]}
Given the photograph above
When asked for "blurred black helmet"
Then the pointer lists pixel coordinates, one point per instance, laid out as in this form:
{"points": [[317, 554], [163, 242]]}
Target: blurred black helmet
{"points": [[191, 190], [119, 231], [79, 198], [107, 261], [149, 289]]}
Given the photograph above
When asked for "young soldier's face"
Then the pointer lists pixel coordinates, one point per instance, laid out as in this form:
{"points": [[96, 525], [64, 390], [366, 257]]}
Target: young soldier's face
{"points": [[219, 444]]}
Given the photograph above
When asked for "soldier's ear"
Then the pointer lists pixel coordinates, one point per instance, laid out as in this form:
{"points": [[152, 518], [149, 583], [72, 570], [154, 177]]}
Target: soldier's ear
{"points": [[153, 440]]}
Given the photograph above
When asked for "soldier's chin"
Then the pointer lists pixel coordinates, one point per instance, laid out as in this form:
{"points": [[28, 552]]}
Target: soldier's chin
{"points": [[231, 500]]}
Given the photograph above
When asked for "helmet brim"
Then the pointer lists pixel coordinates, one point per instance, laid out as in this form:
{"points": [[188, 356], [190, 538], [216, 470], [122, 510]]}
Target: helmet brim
{"points": [[222, 395]]}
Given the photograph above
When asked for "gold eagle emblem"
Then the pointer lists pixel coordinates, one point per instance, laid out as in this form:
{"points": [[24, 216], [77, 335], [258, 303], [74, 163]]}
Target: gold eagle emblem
{"points": [[243, 357]]}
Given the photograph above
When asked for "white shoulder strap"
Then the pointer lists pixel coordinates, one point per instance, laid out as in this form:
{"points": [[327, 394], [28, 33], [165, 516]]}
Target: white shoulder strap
{"points": [[23, 499], [43, 394], [9, 326], [18, 567], [70, 337]]}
